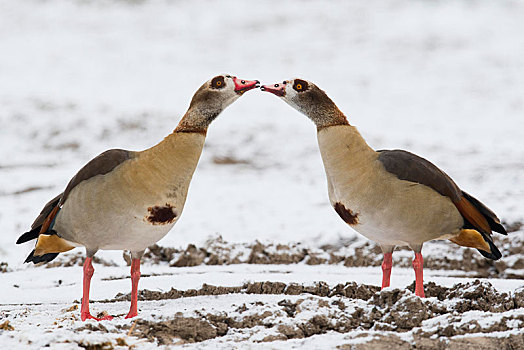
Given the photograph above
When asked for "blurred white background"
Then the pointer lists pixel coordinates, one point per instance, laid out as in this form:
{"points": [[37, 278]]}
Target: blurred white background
{"points": [[443, 79]]}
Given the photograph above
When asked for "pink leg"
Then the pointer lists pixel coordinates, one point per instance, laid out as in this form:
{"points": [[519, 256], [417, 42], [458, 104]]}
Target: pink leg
{"points": [[135, 276], [84, 311], [387, 263], [418, 265]]}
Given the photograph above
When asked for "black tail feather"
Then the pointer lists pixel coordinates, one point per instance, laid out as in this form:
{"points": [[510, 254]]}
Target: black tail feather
{"points": [[30, 235], [495, 252], [490, 216], [40, 259]]}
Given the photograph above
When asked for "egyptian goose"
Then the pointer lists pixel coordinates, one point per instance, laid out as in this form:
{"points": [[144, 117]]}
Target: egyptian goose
{"points": [[129, 200], [394, 198]]}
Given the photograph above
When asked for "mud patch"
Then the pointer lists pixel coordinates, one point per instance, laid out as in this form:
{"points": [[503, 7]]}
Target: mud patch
{"points": [[185, 329], [441, 255], [349, 290], [472, 308], [229, 160], [394, 342], [76, 259]]}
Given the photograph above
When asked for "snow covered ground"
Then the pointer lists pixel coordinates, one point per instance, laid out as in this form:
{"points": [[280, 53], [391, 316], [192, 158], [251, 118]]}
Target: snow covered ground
{"points": [[443, 79]]}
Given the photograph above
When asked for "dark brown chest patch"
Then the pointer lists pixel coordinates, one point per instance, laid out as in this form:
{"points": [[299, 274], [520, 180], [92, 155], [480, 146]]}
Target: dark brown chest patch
{"points": [[161, 215], [347, 215]]}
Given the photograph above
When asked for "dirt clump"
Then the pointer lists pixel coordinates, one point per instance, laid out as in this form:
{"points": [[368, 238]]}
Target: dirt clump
{"points": [[281, 254], [354, 290], [410, 305], [518, 298], [350, 290], [76, 259], [188, 329], [431, 289], [346, 308], [386, 342], [6, 326], [356, 253], [156, 254], [289, 307], [265, 288], [393, 342], [481, 296], [107, 345], [192, 256]]}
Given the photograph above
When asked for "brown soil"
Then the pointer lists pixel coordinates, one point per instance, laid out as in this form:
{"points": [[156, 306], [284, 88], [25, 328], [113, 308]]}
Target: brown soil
{"points": [[393, 342], [352, 254], [337, 309], [76, 259], [183, 328], [349, 290]]}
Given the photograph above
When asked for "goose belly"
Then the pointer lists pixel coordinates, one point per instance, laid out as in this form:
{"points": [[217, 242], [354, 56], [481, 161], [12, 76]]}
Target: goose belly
{"points": [[396, 214]]}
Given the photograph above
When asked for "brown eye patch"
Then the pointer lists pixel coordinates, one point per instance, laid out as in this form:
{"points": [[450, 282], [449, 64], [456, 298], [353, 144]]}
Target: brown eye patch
{"points": [[218, 82], [300, 85]]}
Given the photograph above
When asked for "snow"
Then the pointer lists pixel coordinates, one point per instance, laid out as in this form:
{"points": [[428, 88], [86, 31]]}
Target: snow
{"points": [[443, 79]]}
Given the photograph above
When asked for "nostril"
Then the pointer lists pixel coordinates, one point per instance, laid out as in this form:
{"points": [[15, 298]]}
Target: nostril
{"points": [[276, 85], [243, 81]]}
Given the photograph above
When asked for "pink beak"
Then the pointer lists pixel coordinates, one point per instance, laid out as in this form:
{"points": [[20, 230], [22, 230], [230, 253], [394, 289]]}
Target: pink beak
{"points": [[242, 86], [278, 89]]}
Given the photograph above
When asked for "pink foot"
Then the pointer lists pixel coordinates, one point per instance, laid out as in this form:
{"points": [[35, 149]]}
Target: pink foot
{"points": [[418, 265], [135, 277], [88, 316], [132, 314], [84, 311], [387, 263]]}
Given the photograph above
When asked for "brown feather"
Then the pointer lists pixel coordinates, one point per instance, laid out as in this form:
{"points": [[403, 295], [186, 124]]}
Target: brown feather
{"points": [[49, 219], [45, 211], [473, 215]]}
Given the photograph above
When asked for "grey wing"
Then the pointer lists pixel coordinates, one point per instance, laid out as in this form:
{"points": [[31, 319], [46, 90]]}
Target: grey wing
{"points": [[102, 164], [410, 167]]}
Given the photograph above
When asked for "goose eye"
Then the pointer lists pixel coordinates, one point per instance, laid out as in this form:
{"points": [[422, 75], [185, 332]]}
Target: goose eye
{"points": [[218, 82], [300, 85]]}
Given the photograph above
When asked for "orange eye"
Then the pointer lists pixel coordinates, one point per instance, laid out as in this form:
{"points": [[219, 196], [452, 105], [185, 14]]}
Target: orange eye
{"points": [[219, 83], [299, 86]]}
